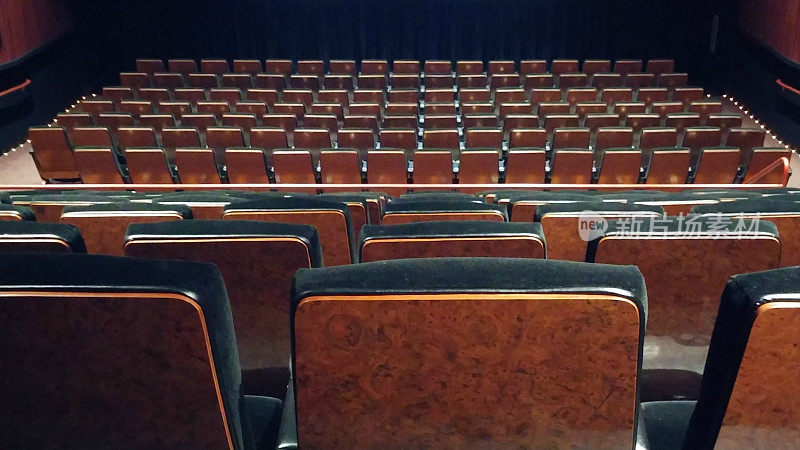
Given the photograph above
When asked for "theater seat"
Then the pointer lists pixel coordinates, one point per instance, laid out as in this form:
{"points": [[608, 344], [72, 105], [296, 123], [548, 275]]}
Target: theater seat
{"points": [[451, 239], [428, 210], [257, 261], [28, 236], [686, 262], [206, 205], [122, 353], [459, 352], [568, 226], [331, 219], [522, 204], [374, 202], [749, 397], [103, 225], [784, 214]]}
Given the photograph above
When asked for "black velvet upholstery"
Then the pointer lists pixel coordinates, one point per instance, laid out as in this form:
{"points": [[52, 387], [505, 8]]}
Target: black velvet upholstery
{"points": [[443, 206], [765, 205], [737, 312], [665, 423], [600, 207], [470, 275], [228, 228], [434, 196], [69, 234], [23, 211], [183, 210], [447, 228]]}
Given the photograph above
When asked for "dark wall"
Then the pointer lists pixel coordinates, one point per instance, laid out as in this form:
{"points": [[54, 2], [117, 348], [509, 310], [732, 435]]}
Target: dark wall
{"points": [[750, 65], [420, 29], [111, 34]]}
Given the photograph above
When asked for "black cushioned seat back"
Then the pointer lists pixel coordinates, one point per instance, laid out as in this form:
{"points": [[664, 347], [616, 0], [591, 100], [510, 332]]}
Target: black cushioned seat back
{"points": [[331, 219], [458, 352], [105, 352], [749, 396], [15, 213], [429, 210], [27, 236], [685, 262], [451, 238], [204, 205], [257, 261]]}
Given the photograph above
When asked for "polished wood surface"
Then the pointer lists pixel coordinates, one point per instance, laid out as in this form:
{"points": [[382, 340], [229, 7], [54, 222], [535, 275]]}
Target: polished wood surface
{"points": [[331, 226], [685, 277], [466, 371], [764, 407], [136, 363], [104, 232], [398, 218], [257, 273]]}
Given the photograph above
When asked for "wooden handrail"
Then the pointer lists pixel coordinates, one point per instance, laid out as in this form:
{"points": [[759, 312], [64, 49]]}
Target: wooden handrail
{"points": [[787, 87], [16, 88], [782, 162], [379, 187]]}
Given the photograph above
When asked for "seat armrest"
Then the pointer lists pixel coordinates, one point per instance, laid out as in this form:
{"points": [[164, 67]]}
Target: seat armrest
{"points": [[287, 436], [664, 423]]}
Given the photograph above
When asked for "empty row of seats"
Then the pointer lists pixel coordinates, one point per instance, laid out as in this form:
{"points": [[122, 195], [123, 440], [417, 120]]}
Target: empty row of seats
{"points": [[381, 67], [405, 74], [492, 328], [135, 101], [612, 155]]}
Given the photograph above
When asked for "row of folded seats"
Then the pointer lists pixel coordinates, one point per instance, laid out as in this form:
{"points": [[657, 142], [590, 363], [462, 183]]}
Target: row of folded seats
{"points": [[400, 101], [115, 352], [610, 155], [404, 74]]}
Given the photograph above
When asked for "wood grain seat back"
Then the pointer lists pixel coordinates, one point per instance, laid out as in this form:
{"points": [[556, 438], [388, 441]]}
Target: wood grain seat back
{"points": [[452, 239], [52, 153], [565, 224], [749, 396], [130, 347], [411, 362], [784, 214], [257, 261], [686, 263], [103, 225], [331, 219], [522, 205], [620, 166], [148, 165]]}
